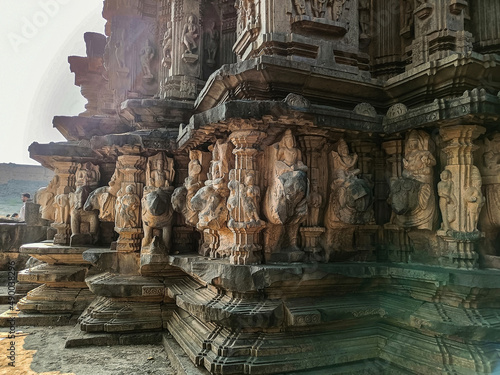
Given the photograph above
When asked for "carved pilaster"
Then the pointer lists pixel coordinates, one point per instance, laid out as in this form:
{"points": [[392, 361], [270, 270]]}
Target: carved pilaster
{"points": [[460, 196], [244, 200], [128, 204]]}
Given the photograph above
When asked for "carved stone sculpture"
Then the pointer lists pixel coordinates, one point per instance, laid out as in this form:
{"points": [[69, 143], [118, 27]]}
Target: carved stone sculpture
{"points": [[103, 199], [300, 6], [212, 43], [412, 196], [167, 47], [128, 207], [120, 52], [364, 19], [147, 55], [156, 203], [337, 9], [351, 197], [447, 200], [45, 198], [190, 39], [490, 171], [286, 197], [87, 178], [318, 8]]}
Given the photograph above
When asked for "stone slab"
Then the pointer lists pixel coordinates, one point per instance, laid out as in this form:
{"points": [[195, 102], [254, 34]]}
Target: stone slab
{"points": [[32, 319], [50, 253]]}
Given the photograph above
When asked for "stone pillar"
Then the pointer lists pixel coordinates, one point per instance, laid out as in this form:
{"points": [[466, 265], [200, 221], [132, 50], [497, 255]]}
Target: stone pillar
{"points": [[127, 222], [244, 201], [460, 197], [65, 172]]}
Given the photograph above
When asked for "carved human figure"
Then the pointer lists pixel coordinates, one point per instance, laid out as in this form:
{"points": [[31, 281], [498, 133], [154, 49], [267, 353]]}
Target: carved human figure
{"points": [[351, 197], [315, 202], [412, 196], [318, 8], [147, 55], [190, 35], [62, 207], [129, 206], [251, 199], [407, 13], [212, 43], [167, 46], [364, 18], [250, 11], [160, 174], [241, 19], [337, 9], [286, 196], [45, 198], [300, 6], [234, 192], [447, 200], [474, 199]]}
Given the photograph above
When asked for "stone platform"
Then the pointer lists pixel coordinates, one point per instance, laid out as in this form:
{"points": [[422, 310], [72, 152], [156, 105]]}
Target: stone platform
{"points": [[301, 318]]}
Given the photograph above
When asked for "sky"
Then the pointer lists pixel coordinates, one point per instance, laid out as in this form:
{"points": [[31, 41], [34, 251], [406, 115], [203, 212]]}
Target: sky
{"points": [[36, 38]]}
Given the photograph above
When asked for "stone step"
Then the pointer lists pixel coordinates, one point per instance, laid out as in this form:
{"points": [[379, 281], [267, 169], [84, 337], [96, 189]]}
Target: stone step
{"points": [[50, 300], [70, 276], [55, 254]]}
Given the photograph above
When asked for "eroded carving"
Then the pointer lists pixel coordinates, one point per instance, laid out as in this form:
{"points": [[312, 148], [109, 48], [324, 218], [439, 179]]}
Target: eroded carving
{"points": [[412, 196], [147, 55], [190, 40], [167, 47]]}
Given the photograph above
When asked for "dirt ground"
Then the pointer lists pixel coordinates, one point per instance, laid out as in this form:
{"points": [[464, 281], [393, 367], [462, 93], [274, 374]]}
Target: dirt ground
{"points": [[40, 350]]}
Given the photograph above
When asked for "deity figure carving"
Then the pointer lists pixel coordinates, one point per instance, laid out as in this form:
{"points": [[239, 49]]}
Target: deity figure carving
{"points": [[157, 211], [181, 198], [364, 18], [62, 207], [128, 207], [412, 196], [103, 199], [318, 8], [315, 202], [212, 43], [241, 19], [147, 55], [447, 199], [167, 47], [190, 35], [86, 180], [45, 198], [337, 9], [351, 197], [286, 195]]}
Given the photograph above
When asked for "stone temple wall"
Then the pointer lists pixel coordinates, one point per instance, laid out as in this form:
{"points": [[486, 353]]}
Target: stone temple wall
{"points": [[282, 186]]}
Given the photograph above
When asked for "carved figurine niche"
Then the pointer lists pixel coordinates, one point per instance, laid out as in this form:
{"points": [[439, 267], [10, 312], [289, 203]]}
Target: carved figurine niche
{"points": [[84, 224], [337, 9], [351, 198], [157, 211], [364, 19], [447, 200], [167, 47], [190, 40], [286, 196], [244, 200], [490, 170], [412, 197]]}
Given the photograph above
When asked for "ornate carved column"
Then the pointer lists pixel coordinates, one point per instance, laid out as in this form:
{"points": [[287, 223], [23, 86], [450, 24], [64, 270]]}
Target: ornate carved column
{"points": [[65, 172], [460, 197], [244, 199], [128, 204]]}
